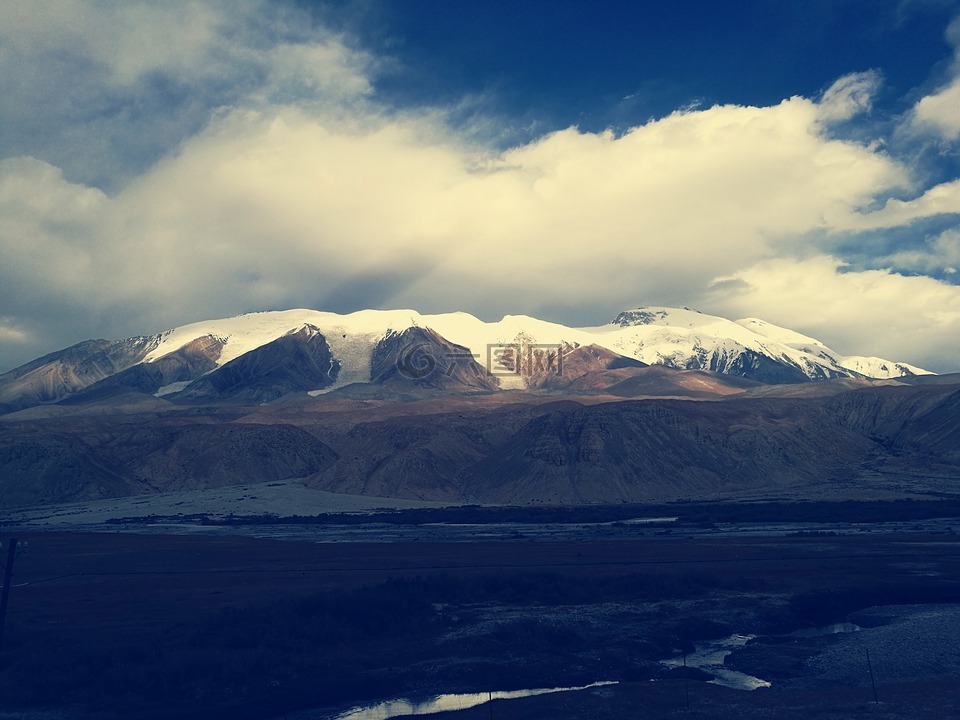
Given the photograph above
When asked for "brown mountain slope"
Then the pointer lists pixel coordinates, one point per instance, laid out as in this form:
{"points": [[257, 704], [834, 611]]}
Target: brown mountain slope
{"points": [[297, 362], [501, 448], [65, 372], [657, 380], [421, 456], [588, 367], [639, 451], [421, 358], [93, 457], [188, 363]]}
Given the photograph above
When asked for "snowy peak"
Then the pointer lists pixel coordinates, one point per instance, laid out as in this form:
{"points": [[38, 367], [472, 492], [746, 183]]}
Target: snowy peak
{"points": [[749, 347], [258, 357], [244, 333], [658, 316], [870, 367], [878, 368], [781, 335]]}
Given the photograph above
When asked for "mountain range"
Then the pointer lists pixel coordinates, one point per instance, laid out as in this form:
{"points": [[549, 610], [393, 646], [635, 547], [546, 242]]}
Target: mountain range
{"points": [[658, 405], [261, 357]]}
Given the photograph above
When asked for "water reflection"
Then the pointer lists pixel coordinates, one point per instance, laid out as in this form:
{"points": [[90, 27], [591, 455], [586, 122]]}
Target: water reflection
{"points": [[440, 703], [709, 657]]}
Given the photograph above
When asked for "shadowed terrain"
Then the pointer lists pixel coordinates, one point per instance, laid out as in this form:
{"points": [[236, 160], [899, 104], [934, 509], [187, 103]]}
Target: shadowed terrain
{"points": [[148, 626], [507, 447]]}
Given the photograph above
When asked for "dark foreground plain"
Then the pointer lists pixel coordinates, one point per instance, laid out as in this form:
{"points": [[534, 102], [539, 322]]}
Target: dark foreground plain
{"points": [[110, 625]]}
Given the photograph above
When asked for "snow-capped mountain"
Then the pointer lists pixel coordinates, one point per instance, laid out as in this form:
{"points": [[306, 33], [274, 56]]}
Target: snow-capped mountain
{"points": [[679, 338], [258, 357], [750, 347], [874, 367]]}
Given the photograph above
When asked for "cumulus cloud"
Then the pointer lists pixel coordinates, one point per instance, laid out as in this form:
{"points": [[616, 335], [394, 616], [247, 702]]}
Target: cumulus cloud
{"points": [[272, 207], [103, 89], [281, 181], [47, 231], [875, 312], [940, 112]]}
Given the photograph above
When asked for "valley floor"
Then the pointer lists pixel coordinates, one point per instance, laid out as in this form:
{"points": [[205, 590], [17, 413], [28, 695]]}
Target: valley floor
{"points": [[150, 625]]}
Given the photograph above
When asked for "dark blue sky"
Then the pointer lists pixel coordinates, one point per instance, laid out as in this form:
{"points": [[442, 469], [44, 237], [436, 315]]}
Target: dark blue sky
{"points": [[617, 64]]}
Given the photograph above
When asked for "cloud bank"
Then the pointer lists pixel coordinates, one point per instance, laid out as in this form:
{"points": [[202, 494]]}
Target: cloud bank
{"points": [[198, 161]]}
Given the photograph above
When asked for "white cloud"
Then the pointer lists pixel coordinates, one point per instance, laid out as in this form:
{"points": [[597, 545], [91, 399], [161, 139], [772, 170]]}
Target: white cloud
{"points": [[942, 199], [11, 333], [940, 112], [328, 71], [877, 312], [125, 40], [104, 89], [941, 255], [849, 96], [48, 228], [268, 192], [189, 41], [283, 206]]}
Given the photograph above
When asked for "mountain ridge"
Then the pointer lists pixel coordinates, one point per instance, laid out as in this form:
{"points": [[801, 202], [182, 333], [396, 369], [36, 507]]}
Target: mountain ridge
{"points": [[189, 363]]}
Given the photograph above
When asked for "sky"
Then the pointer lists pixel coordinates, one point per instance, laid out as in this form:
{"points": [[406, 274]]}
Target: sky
{"points": [[799, 162]]}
